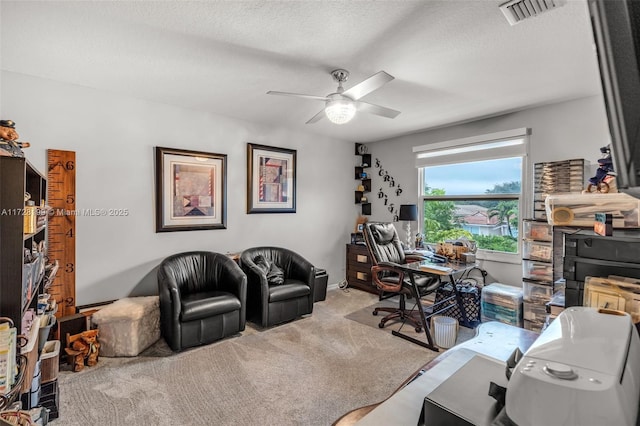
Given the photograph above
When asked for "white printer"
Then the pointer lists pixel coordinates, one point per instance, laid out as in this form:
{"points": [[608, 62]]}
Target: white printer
{"points": [[583, 370]]}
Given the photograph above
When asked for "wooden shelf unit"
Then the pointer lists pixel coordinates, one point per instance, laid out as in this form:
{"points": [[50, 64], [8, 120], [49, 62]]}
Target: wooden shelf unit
{"points": [[17, 177]]}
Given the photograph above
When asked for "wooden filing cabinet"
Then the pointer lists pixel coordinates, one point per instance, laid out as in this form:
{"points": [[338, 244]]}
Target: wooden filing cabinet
{"points": [[359, 268]]}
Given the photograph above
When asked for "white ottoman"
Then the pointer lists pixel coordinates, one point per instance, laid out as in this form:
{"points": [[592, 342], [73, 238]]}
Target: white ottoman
{"points": [[128, 326]]}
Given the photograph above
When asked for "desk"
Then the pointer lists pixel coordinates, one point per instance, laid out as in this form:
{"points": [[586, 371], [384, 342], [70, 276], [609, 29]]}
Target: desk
{"points": [[403, 407], [437, 270]]}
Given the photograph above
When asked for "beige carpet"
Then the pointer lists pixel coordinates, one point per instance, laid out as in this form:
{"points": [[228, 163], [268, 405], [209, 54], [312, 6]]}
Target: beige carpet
{"points": [[365, 316], [306, 372]]}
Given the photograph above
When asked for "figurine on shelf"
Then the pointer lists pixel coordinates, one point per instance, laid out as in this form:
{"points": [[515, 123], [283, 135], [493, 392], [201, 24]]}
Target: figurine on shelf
{"points": [[604, 180], [9, 145], [83, 346]]}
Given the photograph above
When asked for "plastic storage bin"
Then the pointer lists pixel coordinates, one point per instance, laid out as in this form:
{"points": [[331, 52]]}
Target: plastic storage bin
{"points": [[540, 271], [580, 209], [534, 312], [534, 326], [536, 292], [501, 302], [537, 250], [539, 231]]}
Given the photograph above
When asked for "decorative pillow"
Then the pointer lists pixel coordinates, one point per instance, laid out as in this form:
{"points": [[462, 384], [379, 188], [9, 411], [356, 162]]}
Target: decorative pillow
{"points": [[262, 263], [275, 275]]}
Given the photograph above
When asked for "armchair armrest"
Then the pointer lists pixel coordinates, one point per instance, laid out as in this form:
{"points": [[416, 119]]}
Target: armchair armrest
{"points": [[169, 294], [389, 286], [233, 279], [301, 268]]}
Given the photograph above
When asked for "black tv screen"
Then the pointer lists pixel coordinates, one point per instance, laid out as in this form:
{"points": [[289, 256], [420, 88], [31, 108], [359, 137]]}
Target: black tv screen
{"points": [[616, 30]]}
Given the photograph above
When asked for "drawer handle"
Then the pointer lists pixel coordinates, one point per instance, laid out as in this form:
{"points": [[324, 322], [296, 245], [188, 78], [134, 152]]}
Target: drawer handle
{"points": [[362, 258], [362, 276]]}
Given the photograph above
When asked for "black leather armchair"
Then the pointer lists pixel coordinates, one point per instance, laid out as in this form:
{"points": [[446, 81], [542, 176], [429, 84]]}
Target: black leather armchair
{"points": [[386, 252], [271, 303], [202, 298]]}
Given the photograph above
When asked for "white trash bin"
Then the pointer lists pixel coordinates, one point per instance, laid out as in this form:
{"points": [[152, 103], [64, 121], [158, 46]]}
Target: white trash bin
{"points": [[445, 331]]}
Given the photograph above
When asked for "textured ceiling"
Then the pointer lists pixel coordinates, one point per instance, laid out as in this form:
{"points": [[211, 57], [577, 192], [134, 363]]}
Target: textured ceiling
{"points": [[453, 60]]}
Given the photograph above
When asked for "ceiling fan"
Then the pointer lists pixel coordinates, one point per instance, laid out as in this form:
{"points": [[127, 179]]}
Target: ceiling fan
{"points": [[341, 106]]}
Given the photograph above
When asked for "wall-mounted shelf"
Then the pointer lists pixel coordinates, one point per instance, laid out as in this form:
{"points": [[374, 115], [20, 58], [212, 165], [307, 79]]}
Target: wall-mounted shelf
{"points": [[362, 176], [360, 171], [359, 193]]}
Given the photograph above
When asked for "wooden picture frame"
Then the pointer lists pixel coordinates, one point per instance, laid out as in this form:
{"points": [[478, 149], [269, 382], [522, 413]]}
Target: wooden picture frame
{"points": [[191, 190], [271, 179], [360, 221]]}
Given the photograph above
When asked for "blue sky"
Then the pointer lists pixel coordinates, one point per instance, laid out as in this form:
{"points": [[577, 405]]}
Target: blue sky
{"points": [[473, 178]]}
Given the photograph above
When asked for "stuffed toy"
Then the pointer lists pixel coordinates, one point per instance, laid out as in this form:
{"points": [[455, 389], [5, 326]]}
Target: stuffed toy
{"points": [[81, 347], [604, 180], [8, 130], [9, 145]]}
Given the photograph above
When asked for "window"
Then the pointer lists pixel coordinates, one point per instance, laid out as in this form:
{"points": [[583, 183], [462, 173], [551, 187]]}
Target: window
{"points": [[473, 188]]}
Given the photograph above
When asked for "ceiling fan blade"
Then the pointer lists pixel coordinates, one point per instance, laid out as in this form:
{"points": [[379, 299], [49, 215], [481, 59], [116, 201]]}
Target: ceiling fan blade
{"points": [[298, 95], [369, 85], [316, 117], [377, 109]]}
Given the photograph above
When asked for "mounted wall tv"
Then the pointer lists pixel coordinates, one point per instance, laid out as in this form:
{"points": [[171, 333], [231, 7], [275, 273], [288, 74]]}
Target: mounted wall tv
{"points": [[616, 29]]}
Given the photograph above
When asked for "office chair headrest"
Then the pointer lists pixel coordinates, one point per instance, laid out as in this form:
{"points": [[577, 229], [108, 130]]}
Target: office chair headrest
{"points": [[383, 232]]}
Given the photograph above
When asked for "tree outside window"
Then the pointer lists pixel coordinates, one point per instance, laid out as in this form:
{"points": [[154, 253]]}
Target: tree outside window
{"points": [[465, 200]]}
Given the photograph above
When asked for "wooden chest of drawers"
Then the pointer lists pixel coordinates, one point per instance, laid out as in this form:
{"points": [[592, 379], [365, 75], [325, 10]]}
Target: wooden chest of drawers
{"points": [[359, 268]]}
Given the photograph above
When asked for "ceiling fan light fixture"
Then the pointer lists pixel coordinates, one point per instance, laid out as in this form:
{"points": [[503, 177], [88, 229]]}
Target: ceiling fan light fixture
{"points": [[340, 111]]}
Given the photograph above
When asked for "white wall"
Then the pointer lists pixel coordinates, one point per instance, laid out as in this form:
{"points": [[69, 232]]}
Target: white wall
{"points": [[573, 129], [114, 136]]}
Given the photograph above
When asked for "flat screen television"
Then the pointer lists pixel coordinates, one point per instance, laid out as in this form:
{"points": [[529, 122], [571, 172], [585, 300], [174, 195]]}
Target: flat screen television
{"points": [[616, 30]]}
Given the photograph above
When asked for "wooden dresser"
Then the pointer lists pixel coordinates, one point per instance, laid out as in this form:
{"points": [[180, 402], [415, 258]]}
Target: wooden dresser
{"points": [[359, 268]]}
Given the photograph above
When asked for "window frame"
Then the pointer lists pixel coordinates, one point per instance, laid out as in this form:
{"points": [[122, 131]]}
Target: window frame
{"points": [[475, 156]]}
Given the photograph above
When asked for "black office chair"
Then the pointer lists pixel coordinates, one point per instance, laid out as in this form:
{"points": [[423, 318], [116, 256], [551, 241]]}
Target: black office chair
{"points": [[386, 252]]}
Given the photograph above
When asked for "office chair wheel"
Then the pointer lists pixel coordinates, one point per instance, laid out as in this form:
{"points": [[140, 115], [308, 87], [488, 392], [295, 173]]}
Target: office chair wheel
{"points": [[418, 329], [381, 324], [375, 313]]}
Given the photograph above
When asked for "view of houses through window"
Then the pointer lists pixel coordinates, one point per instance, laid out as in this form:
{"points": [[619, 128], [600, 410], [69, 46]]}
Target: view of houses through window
{"points": [[479, 200]]}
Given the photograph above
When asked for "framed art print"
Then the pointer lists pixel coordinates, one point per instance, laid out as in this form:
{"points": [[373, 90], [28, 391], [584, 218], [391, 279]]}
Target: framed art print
{"points": [[271, 179], [190, 190]]}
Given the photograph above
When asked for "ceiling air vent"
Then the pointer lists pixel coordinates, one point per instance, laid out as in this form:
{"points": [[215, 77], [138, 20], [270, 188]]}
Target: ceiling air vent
{"points": [[519, 10]]}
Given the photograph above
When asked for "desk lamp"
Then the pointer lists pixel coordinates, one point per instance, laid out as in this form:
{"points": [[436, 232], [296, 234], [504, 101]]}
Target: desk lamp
{"points": [[408, 213]]}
